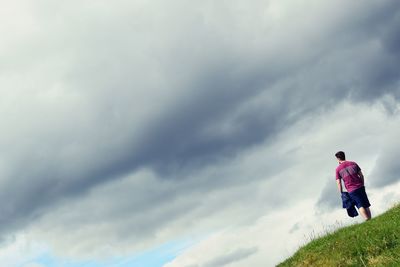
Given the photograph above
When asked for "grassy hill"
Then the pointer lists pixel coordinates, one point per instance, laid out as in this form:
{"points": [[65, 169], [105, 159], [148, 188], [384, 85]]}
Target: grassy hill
{"points": [[372, 243]]}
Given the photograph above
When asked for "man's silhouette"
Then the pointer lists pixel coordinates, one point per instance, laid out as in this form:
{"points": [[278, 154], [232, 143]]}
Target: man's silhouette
{"points": [[351, 174]]}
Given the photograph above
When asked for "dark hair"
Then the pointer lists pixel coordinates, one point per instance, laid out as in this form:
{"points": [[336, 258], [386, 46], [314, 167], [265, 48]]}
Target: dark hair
{"points": [[340, 155]]}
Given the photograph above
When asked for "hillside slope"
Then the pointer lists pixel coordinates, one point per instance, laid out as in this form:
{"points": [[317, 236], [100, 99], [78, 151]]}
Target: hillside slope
{"points": [[372, 243]]}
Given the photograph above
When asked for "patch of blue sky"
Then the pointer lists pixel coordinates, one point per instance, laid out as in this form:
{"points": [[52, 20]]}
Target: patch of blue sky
{"points": [[156, 257]]}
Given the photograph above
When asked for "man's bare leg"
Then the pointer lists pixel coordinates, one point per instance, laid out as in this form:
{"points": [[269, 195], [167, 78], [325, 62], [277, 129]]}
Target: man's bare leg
{"points": [[365, 212]]}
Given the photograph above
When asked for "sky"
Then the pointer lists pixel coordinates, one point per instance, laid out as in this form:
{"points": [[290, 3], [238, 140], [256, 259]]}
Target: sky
{"points": [[190, 133]]}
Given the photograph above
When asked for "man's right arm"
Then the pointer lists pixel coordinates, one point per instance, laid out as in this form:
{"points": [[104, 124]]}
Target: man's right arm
{"points": [[339, 183]]}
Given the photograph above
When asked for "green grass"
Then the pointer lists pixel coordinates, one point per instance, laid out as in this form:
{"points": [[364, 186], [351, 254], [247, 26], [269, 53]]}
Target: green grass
{"points": [[372, 243]]}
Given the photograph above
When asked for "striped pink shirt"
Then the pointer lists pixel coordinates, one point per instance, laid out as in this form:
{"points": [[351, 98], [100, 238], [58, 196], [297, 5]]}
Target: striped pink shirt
{"points": [[348, 172]]}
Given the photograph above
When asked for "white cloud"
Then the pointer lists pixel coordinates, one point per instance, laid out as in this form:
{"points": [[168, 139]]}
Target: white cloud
{"points": [[279, 232], [20, 251]]}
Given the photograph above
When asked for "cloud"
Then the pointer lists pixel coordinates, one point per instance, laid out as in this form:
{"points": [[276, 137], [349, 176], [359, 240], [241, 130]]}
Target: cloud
{"points": [[232, 257], [386, 170], [330, 197], [149, 116], [278, 234], [142, 209], [19, 250]]}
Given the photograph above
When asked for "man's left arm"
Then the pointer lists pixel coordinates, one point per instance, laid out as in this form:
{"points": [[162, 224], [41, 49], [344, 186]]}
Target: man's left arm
{"points": [[361, 175]]}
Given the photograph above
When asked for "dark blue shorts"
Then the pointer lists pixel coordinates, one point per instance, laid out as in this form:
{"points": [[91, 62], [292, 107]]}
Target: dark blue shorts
{"points": [[359, 196]]}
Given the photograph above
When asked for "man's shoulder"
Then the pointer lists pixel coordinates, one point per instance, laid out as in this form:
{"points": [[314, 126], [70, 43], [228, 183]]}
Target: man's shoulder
{"points": [[349, 163], [352, 163], [346, 164], [338, 168]]}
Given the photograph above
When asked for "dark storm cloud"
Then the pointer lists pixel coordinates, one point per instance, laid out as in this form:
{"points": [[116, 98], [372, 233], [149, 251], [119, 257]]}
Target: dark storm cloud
{"points": [[223, 96], [178, 139], [192, 134], [379, 72]]}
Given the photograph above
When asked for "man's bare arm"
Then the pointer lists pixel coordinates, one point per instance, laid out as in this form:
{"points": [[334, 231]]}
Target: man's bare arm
{"points": [[361, 175], [339, 183]]}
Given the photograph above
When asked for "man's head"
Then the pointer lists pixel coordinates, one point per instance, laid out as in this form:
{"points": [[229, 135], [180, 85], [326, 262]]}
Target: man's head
{"points": [[340, 156]]}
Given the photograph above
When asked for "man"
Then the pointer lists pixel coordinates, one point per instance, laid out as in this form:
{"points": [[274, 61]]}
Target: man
{"points": [[351, 174]]}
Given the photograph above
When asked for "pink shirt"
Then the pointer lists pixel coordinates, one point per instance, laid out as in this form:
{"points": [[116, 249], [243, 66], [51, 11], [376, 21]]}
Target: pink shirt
{"points": [[348, 172]]}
